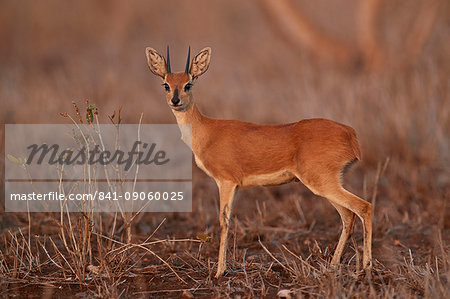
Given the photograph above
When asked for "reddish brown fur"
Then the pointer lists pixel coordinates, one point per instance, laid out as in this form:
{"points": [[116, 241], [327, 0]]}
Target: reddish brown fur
{"points": [[255, 149], [240, 154]]}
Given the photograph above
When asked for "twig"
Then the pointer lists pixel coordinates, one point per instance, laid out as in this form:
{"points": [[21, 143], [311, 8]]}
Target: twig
{"points": [[300, 259], [162, 260], [271, 255], [170, 291], [245, 272]]}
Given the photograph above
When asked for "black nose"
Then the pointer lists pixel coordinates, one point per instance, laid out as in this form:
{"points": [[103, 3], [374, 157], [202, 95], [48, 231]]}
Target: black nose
{"points": [[175, 101]]}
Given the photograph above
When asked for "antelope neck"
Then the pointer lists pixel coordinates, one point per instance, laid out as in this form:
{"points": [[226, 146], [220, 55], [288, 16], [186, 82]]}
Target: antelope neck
{"points": [[192, 116]]}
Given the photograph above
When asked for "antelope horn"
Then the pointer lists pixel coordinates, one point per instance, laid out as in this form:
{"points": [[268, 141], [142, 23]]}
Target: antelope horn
{"points": [[187, 62], [168, 61]]}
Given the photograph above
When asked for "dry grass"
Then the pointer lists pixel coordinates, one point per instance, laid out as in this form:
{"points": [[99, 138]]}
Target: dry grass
{"points": [[282, 237]]}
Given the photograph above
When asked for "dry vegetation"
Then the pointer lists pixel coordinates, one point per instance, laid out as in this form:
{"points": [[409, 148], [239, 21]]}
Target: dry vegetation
{"points": [[53, 53]]}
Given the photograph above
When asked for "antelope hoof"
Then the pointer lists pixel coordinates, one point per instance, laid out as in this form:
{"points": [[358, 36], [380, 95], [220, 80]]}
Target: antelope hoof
{"points": [[221, 270], [367, 266], [334, 266], [219, 273]]}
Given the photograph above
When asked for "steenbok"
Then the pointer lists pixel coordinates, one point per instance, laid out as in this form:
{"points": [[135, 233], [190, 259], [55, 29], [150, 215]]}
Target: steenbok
{"points": [[239, 154]]}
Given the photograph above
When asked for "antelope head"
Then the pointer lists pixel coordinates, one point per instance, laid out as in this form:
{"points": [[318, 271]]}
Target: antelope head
{"points": [[178, 86]]}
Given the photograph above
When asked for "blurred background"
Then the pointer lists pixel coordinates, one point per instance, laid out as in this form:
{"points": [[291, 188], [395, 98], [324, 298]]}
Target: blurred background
{"points": [[382, 67]]}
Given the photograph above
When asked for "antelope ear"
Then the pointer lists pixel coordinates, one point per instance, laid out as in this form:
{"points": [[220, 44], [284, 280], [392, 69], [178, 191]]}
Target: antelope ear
{"points": [[156, 62], [200, 63]]}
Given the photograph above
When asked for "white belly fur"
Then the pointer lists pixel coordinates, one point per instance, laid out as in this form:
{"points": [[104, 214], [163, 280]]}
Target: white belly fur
{"points": [[275, 178]]}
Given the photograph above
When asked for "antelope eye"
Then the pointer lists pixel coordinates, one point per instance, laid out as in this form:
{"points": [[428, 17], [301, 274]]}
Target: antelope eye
{"points": [[166, 86], [187, 87]]}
